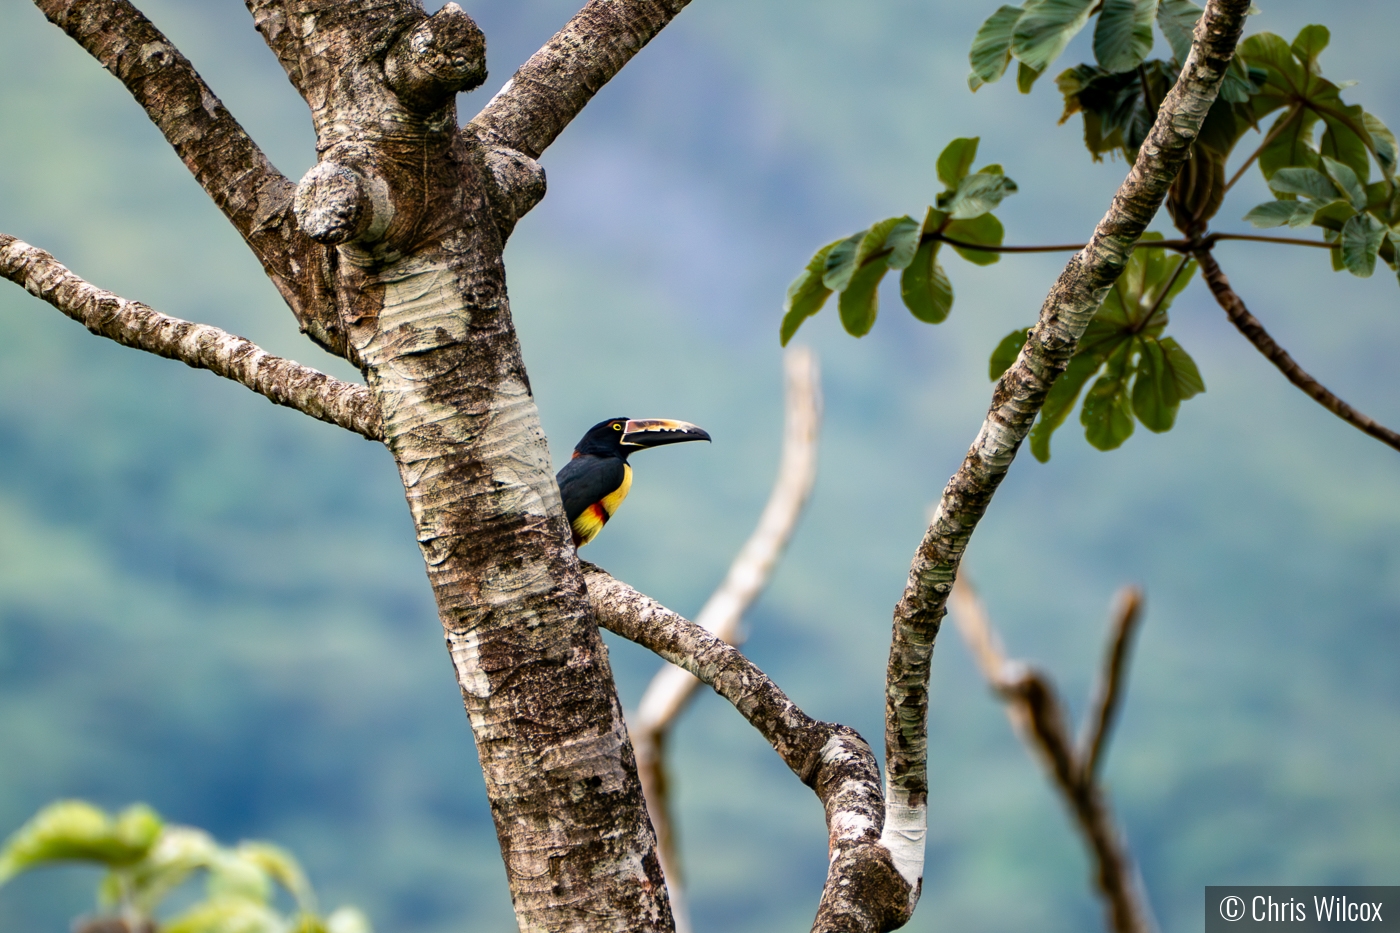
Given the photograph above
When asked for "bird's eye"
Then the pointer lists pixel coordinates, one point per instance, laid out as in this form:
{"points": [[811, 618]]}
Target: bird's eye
{"points": [[617, 426]]}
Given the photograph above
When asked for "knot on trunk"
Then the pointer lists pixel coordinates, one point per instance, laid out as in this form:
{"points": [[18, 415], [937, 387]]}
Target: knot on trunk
{"points": [[517, 184], [864, 893], [442, 55], [341, 200]]}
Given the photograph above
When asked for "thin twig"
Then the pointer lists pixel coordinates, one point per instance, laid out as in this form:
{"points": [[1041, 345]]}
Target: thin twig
{"points": [[1162, 296], [1108, 694], [672, 689], [1034, 707], [201, 346], [1249, 325]]}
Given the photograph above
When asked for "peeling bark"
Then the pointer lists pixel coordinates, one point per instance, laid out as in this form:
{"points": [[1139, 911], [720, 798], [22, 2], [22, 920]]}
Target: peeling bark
{"points": [[234, 172], [200, 346], [1016, 401]]}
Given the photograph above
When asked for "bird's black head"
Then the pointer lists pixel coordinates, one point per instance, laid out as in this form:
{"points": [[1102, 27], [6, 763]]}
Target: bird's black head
{"points": [[618, 437]]}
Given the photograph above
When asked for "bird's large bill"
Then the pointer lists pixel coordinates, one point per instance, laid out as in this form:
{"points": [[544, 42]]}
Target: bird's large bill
{"points": [[653, 432]]}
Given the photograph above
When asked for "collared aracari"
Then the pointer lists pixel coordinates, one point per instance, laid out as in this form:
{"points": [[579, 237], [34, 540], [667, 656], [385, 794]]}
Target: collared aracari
{"points": [[597, 479]]}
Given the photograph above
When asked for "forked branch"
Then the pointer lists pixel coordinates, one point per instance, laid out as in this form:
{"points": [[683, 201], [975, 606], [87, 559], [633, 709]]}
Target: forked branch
{"points": [[672, 689], [1249, 325], [550, 89], [1034, 707], [201, 346], [234, 172]]}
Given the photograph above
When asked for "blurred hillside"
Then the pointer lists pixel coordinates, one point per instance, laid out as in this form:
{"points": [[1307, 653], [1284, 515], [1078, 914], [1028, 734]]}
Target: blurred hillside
{"points": [[218, 607]]}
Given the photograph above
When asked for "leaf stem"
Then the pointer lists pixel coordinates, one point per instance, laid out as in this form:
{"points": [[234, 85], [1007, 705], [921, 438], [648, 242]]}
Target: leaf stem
{"points": [[1272, 135], [1178, 245], [1141, 325]]}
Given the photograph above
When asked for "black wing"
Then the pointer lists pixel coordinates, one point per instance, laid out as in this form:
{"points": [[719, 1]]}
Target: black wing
{"points": [[586, 479]]}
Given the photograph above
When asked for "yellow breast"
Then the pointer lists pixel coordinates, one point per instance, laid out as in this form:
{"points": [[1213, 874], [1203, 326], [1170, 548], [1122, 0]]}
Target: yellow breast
{"points": [[592, 519]]}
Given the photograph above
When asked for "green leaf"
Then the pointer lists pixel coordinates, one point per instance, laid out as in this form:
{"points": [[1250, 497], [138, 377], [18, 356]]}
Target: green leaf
{"points": [[1308, 182], [1345, 138], [991, 47], [1026, 77], [1238, 86], [226, 915], [1118, 110], [1060, 401], [902, 242], [860, 300], [1361, 240], [1123, 36], [1347, 181], [282, 867], [1383, 140], [1138, 293], [1006, 352], [1334, 215], [72, 830], [1309, 45], [976, 194], [1183, 369], [1177, 20], [985, 230], [1279, 213], [955, 161], [806, 294], [1045, 29], [1155, 399], [1292, 133], [1107, 414], [841, 261], [924, 286]]}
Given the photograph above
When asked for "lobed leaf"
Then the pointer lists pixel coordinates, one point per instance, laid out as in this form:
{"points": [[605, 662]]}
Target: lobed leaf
{"points": [[956, 159], [925, 288], [1308, 46], [860, 300], [1123, 35], [985, 230], [806, 294], [1045, 28], [991, 47], [1361, 240], [1107, 413], [1177, 20]]}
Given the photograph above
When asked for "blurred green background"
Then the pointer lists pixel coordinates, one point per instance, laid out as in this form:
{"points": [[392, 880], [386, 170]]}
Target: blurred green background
{"points": [[217, 606]]}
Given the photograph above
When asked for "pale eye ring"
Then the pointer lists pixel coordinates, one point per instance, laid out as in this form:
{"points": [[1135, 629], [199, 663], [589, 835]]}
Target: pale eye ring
{"points": [[617, 427]]}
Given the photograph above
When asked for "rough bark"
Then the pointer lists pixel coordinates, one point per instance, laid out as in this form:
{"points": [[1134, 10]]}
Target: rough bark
{"points": [[1255, 333], [1033, 704], [413, 211], [1016, 401], [863, 892], [200, 346], [234, 172], [672, 688], [550, 89]]}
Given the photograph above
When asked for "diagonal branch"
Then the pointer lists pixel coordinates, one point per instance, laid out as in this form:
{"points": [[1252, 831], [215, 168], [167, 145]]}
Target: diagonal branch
{"points": [[550, 89], [1016, 401], [1038, 715], [672, 689], [201, 346], [233, 171], [831, 759], [1108, 695], [1249, 325]]}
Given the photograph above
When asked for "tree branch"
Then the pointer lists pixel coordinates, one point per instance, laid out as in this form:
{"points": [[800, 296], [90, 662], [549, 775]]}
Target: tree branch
{"points": [[863, 891], [234, 172], [672, 689], [1249, 325], [550, 89], [1034, 708], [1017, 400], [201, 346], [1108, 695]]}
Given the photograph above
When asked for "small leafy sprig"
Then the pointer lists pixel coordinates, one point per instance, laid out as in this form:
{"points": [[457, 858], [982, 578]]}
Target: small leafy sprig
{"points": [[147, 860], [855, 266]]}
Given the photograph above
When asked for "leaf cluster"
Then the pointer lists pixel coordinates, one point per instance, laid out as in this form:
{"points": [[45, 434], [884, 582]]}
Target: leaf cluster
{"points": [[1142, 376], [147, 860], [855, 266]]}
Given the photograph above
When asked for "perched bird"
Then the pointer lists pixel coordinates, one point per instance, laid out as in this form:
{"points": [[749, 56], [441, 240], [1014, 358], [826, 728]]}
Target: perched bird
{"points": [[598, 478]]}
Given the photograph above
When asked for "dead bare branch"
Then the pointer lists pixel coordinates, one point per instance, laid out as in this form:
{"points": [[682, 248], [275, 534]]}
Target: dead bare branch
{"points": [[1036, 712], [672, 689]]}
